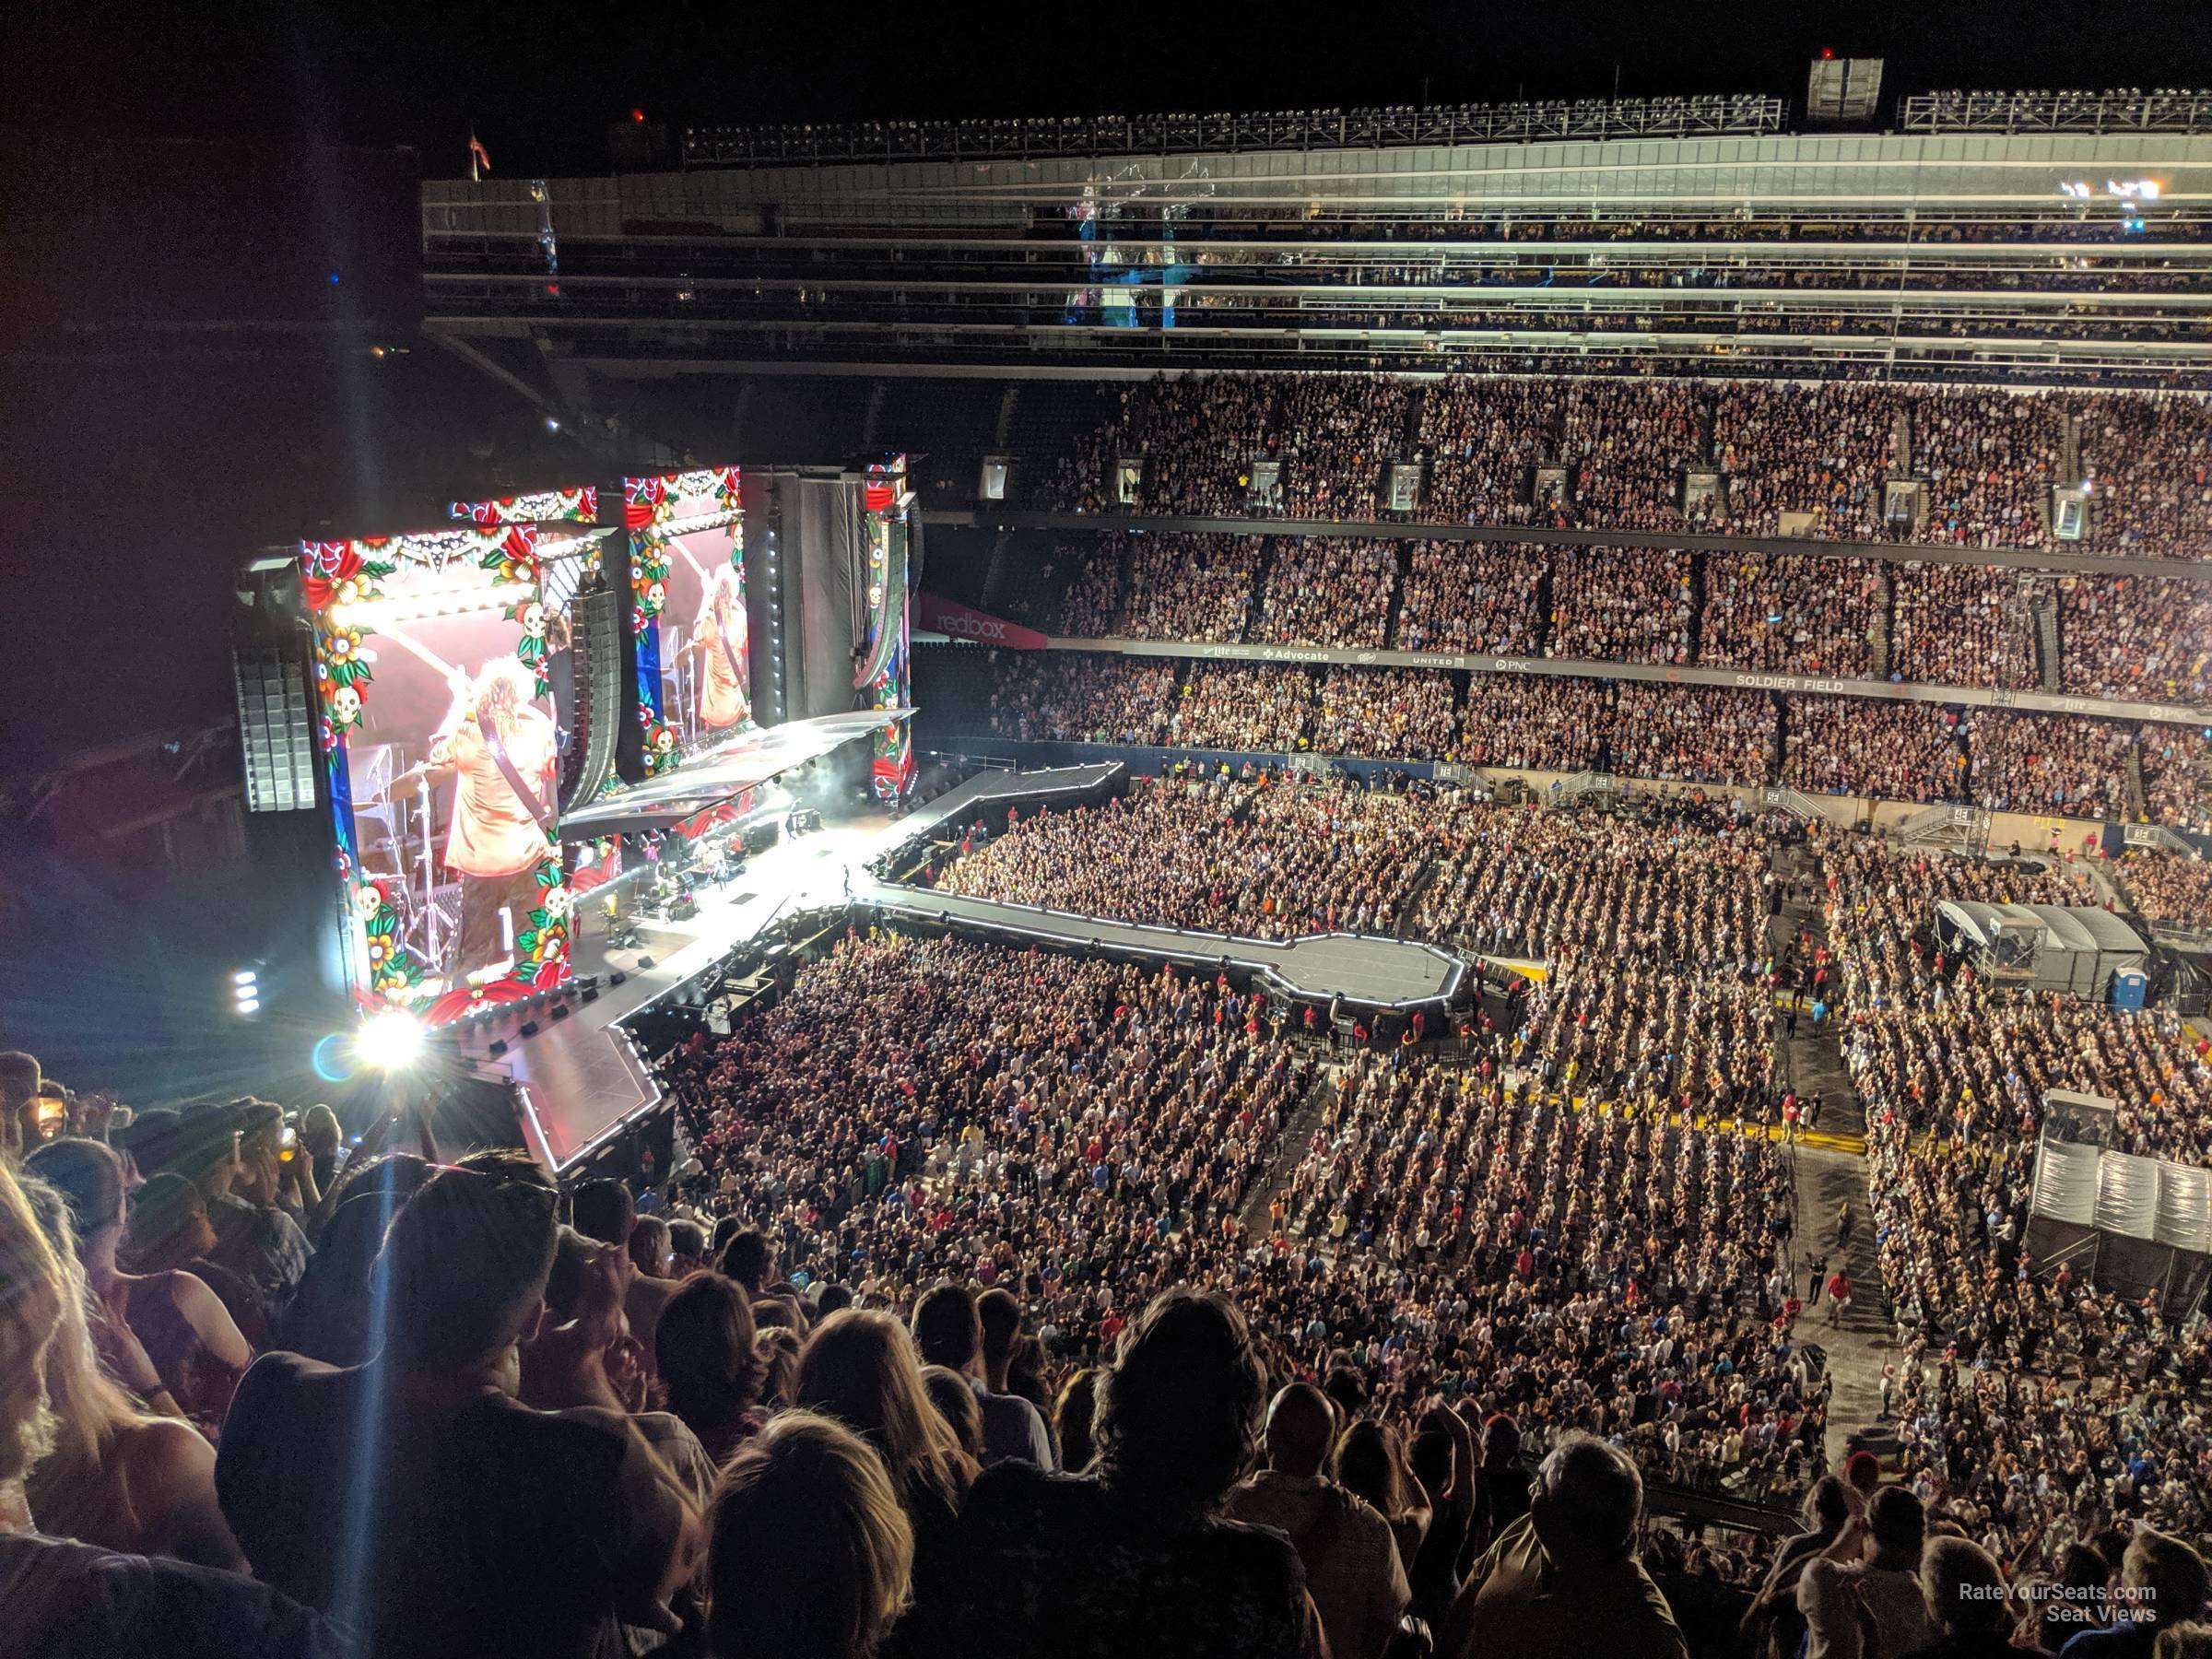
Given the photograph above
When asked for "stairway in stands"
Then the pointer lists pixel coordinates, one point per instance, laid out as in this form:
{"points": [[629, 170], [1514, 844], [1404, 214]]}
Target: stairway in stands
{"points": [[2045, 604], [1399, 553], [2137, 808], [1884, 591], [1550, 556], [1261, 569], [1697, 607], [1777, 748]]}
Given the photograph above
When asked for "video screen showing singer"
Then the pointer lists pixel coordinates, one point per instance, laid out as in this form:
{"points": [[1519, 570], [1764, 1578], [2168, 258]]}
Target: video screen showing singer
{"points": [[503, 753], [719, 638]]}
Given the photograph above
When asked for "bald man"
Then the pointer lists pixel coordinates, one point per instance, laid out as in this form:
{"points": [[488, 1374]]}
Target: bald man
{"points": [[1567, 1570], [1352, 1567]]}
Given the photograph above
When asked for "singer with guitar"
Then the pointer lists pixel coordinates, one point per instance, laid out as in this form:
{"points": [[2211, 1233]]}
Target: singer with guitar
{"points": [[719, 638], [505, 754]]}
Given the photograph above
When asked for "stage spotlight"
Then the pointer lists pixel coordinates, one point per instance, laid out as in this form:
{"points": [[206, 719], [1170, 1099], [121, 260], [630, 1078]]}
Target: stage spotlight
{"points": [[388, 1042]]}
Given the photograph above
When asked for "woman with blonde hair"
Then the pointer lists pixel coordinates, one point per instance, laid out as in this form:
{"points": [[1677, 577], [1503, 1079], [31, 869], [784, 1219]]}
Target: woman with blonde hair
{"points": [[808, 1551], [864, 1369], [172, 1317], [116, 1476], [66, 1598]]}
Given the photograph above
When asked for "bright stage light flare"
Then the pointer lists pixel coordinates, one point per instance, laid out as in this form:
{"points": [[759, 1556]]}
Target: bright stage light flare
{"points": [[388, 1042]]}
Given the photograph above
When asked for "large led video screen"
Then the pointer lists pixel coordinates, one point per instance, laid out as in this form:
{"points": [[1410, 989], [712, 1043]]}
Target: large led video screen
{"points": [[689, 611], [437, 663]]}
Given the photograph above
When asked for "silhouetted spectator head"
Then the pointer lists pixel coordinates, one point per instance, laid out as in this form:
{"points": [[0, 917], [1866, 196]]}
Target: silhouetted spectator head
{"points": [[1301, 1427], [602, 1210], [1074, 1419], [1346, 1391], [808, 1549], [1180, 1403], [749, 1258], [957, 1403], [169, 1225], [1826, 1506], [319, 1131], [861, 1367], [649, 1246], [779, 1353], [1500, 1441], [1899, 1522], [687, 1243], [464, 1268], [707, 1353], [1587, 1499], [89, 1178], [1000, 1316], [2161, 1580], [1369, 1463], [1964, 1587], [946, 1327]]}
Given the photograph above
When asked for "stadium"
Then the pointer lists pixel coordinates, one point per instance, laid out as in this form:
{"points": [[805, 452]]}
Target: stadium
{"points": [[1348, 881]]}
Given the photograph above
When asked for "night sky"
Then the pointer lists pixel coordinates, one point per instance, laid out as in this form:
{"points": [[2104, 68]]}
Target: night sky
{"points": [[194, 165]]}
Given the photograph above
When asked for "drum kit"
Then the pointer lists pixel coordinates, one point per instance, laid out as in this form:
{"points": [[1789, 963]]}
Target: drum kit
{"points": [[396, 818]]}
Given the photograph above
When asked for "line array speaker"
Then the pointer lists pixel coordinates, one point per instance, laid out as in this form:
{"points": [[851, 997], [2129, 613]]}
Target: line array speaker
{"points": [[595, 628], [275, 736]]}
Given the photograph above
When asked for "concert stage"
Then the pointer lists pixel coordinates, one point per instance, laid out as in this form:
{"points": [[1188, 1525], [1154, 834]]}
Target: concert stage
{"points": [[581, 1080], [1367, 972], [1055, 785]]}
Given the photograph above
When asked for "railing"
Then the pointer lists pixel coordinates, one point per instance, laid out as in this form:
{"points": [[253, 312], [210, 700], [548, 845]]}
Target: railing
{"points": [[2156, 837], [1222, 133], [1964, 825], [1590, 783], [1797, 803], [2168, 109]]}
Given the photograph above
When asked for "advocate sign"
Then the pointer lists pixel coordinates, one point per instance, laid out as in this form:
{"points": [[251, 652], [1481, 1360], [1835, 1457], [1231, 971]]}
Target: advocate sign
{"points": [[962, 622]]}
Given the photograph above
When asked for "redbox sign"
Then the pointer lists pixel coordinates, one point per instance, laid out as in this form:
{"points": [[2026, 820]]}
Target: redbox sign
{"points": [[962, 622]]}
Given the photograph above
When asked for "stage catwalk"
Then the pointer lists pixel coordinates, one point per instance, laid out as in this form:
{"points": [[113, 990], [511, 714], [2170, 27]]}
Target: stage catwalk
{"points": [[581, 1080]]}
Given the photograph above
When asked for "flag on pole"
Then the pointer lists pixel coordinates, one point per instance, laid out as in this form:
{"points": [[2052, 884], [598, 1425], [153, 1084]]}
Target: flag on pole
{"points": [[479, 159]]}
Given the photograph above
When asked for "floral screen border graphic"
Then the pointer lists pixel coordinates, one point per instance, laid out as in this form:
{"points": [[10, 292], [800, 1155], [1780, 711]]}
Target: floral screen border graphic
{"points": [[885, 673], [577, 504], [655, 510]]}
